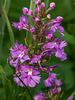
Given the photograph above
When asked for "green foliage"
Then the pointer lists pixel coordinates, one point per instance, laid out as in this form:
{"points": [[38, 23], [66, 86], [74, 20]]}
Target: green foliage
{"points": [[6, 85]]}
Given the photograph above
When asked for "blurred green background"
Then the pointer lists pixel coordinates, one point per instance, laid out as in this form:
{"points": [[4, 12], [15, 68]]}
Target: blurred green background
{"points": [[64, 8]]}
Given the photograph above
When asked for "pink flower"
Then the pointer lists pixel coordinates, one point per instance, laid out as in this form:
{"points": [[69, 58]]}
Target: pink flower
{"points": [[29, 75]]}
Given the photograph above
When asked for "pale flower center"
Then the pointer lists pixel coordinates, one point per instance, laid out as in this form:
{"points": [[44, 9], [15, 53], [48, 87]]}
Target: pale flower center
{"points": [[21, 55], [30, 72]]}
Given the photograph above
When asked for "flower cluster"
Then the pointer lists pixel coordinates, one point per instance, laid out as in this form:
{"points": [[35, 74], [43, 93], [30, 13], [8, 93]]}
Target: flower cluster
{"points": [[45, 44]]}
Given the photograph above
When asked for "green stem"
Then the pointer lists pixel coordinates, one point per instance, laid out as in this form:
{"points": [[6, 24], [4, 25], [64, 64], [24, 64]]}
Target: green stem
{"points": [[9, 26], [1, 35], [26, 88], [32, 6]]}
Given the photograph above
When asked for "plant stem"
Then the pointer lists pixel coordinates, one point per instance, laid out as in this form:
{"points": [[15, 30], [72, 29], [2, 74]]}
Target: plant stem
{"points": [[9, 26], [26, 88], [32, 6]]}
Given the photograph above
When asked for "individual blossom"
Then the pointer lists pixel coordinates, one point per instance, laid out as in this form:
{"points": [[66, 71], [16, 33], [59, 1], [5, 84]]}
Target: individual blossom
{"points": [[48, 69], [23, 24], [19, 52], [70, 98], [28, 74], [52, 80], [39, 96], [36, 59], [58, 48], [57, 26]]}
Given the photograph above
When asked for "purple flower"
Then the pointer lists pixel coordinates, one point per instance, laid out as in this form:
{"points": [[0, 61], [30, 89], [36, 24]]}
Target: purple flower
{"points": [[39, 96], [23, 19], [36, 59], [59, 19], [29, 75], [60, 54], [23, 24], [50, 68], [50, 81], [56, 47], [20, 53], [70, 98], [58, 82], [18, 25]]}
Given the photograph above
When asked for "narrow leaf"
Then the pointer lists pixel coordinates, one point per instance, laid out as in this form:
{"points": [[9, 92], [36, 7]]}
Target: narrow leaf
{"points": [[0, 28], [9, 26], [6, 85], [32, 6], [68, 38]]}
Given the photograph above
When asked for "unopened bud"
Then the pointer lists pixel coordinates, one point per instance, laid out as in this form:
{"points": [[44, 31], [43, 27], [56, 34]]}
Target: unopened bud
{"points": [[38, 2], [54, 90], [48, 16], [42, 5], [52, 5], [32, 29], [59, 19], [30, 13], [37, 19], [49, 36], [25, 10]]}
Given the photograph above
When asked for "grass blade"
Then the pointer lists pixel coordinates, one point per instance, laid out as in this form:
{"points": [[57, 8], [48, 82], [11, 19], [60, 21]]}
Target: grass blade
{"points": [[9, 26]]}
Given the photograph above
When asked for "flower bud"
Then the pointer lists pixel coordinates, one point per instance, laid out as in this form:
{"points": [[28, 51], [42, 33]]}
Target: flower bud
{"points": [[38, 2], [59, 19], [48, 16], [32, 29], [49, 36], [54, 90], [52, 5], [30, 13], [37, 10], [37, 19], [25, 10], [59, 89], [42, 5]]}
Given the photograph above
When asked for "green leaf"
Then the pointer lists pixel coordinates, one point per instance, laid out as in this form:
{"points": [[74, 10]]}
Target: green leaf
{"points": [[7, 5], [6, 85], [68, 38], [0, 28], [73, 94], [11, 34], [47, 2], [8, 70], [71, 28], [28, 39]]}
